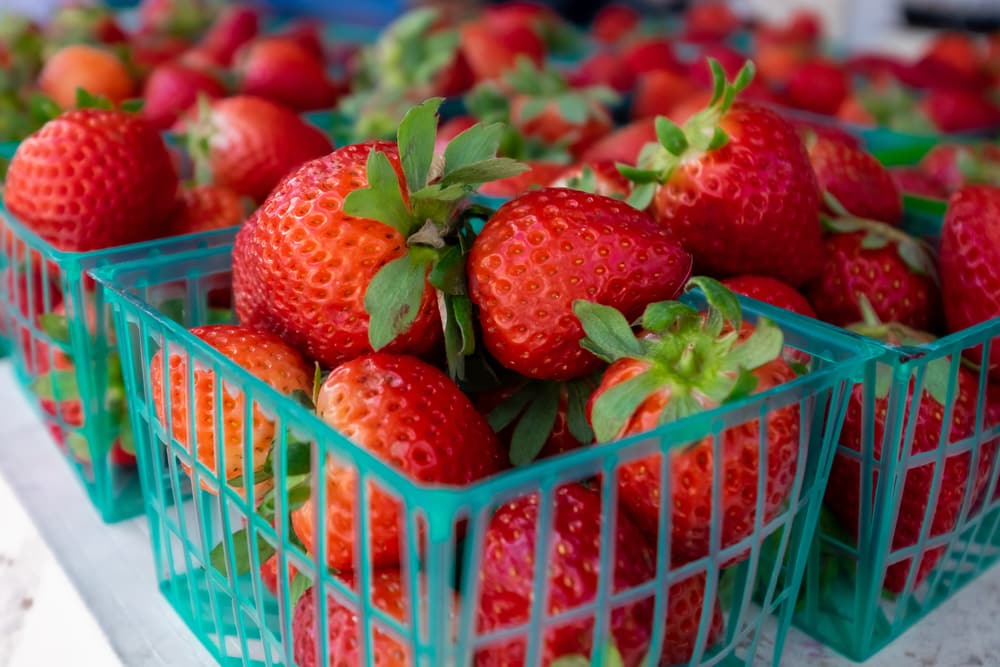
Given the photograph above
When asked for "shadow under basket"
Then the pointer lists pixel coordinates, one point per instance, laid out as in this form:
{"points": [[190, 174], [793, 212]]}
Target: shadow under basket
{"points": [[210, 551], [65, 358]]}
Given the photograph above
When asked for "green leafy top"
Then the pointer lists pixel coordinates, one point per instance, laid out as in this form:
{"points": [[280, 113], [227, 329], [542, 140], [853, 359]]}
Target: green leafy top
{"points": [[678, 144], [978, 164], [894, 106], [916, 254], [696, 356], [432, 219], [409, 53]]}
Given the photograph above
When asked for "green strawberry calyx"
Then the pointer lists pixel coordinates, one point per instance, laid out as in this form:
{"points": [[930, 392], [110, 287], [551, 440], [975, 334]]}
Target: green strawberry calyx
{"points": [[976, 166], [676, 145], [410, 52], [696, 357], [433, 220], [612, 658], [916, 254]]}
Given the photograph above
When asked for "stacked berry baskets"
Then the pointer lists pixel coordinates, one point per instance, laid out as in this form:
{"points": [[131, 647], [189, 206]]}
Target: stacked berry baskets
{"points": [[244, 570]]}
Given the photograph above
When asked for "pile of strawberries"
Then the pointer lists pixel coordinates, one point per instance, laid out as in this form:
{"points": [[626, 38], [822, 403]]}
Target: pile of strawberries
{"points": [[454, 341]]}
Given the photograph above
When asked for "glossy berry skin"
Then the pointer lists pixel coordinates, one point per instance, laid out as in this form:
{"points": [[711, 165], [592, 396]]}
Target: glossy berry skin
{"points": [[551, 128], [507, 586], [915, 181], [205, 208], [546, 248], [261, 353], [970, 260], [771, 291], [235, 26], [857, 179], [92, 179], [613, 22], [96, 70], [818, 85], [959, 110], [490, 50], [896, 291], [285, 72], [172, 88], [844, 496], [410, 415], [751, 206], [691, 467], [624, 144], [255, 143], [314, 263]]}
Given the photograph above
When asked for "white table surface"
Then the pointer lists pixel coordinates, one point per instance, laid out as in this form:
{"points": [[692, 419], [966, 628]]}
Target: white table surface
{"points": [[74, 591]]}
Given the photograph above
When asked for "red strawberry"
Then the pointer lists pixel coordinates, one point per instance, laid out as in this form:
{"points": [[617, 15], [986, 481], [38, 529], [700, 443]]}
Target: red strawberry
{"points": [[819, 85], [546, 248], [844, 500], [306, 34], [969, 262], [283, 71], [172, 88], [491, 50], [735, 187], [205, 208], [659, 92], [825, 131], [650, 55], [614, 22], [603, 69], [962, 54], [261, 353], [709, 21], [81, 24], [602, 178], [92, 179], [771, 291], [854, 111], [960, 110], [409, 414], [914, 181], [778, 61], [957, 165], [573, 569], [388, 594], [270, 571], [856, 179], [728, 362], [254, 143], [97, 70], [622, 145], [538, 175], [235, 26], [868, 259]]}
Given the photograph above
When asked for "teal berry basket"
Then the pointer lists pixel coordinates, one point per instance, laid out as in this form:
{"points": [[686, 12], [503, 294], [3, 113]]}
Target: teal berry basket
{"points": [[65, 358], [859, 594], [209, 552], [923, 215]]}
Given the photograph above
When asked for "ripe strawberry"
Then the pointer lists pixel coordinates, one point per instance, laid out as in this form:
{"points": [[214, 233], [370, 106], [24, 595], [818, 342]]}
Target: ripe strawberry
{"points": [[676, 384], [28, 296], [957, 165], [819, 85], [235, 26], [309, 230], [573, 571], [962, 54], [614, 22], [970, 279], [601, 178], [204, 208], [603, 69], [270, 570], [856, 179], [261, 353], [853, 110], [283, 71], [657, 93], [735, 187], [914, 181], [177, 18], [253, 143], [491, 50], [778, 61], [891, 269], [82, 25], [409, 414], [94, 69], [825, 131], [650, 55], [172, 88], [623, 144], [771, 291], [92, 179], [538, 175], [306, 34], [388, 594], [960, 110], [710, 21], [844, 498], [546, 248]]}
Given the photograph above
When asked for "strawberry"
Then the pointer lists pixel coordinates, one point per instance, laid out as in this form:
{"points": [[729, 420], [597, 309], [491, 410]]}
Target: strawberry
{"points": [[891, 269], [623, 144], [854, 111], [915, 181], [657, 93], [602, 178], [539, 174], [204, 208], [410, 415], [777, 62], [252, 143], [283, 71], [960, 110], [856, 179], [603, 69], [771, 291], [306, 34], [491, 50], [844, 498], [819, 85], [92, 179], [962, 54], [825, 131], [614, 22], [685, 362], [172, 88], [309, 230], [735, 187], [388, 594], [261, 353], [27, 298], [710, 21], [92, 68], [650, 55], [970, 279], [574, 565], [177, 18], [546, 248], [957, 165], [235, 26], [83, 25]]}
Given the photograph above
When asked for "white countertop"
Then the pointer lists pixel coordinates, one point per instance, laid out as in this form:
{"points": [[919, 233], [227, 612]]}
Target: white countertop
{"points": [[76, 592]]}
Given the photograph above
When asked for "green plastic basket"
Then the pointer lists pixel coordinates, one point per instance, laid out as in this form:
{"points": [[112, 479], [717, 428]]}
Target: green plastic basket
{"points": [[197, 546], [65, 357]]}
